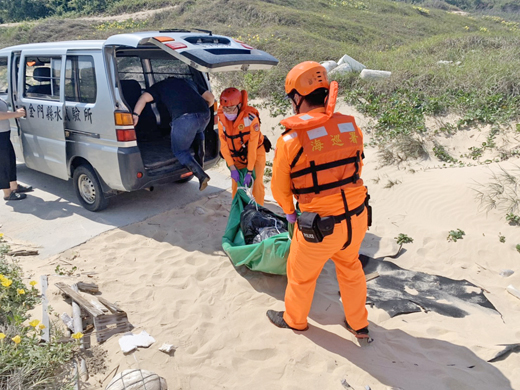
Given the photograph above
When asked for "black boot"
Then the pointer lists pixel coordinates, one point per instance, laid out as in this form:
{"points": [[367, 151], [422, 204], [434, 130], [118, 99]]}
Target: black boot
{"points": [[199, 172], [199, 147]]}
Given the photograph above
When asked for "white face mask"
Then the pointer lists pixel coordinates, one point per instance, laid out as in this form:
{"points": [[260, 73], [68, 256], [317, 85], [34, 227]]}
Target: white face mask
{"points": [[231, 117]]}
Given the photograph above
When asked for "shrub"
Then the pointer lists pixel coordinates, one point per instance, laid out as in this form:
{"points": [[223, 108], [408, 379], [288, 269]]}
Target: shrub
{"points": [[455, 235], [26, 362]]}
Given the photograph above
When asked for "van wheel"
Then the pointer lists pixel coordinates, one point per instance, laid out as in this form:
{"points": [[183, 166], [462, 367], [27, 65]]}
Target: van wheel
{"points": [[88, 189], [185, 179]]}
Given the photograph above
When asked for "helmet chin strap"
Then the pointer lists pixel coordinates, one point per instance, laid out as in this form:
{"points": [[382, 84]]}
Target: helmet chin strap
{"points": [[297, 105]]}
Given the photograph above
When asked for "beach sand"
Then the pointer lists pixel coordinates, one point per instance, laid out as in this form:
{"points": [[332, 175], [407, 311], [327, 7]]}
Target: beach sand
{"points": [[170, 274]]}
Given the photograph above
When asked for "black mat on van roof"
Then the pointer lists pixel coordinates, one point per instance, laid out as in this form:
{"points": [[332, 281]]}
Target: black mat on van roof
{"points": [[400, 291]]}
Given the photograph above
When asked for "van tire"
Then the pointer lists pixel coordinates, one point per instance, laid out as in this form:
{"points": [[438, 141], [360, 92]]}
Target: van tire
{"points": [[88, 189]]}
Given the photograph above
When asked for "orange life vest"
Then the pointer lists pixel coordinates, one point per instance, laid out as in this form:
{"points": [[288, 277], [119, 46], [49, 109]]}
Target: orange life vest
{"points": [[325, 150], [238, 132]]}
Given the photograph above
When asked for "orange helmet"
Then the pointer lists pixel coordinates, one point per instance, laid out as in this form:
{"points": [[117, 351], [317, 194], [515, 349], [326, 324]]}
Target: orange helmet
{"points": [[306, 77], [230, 97]]}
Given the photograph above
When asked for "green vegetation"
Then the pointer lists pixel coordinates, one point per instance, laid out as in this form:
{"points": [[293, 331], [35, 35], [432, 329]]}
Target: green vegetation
{"points": [[501, 238], [478, 81], [455, 235], [513, 219], [26, 362], [518, 248], [502, 192]]}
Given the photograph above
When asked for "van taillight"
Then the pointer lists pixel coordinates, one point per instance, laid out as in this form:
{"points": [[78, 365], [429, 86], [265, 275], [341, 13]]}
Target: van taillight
{"points": [[244, 45], [176, 45], [123, 118], [125, 135]]}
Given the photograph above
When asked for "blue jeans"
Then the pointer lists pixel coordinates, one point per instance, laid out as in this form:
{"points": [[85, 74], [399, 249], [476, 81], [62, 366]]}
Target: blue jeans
{"points": [[186, 129]]}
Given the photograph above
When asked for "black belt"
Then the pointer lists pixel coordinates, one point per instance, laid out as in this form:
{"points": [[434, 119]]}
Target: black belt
{"points": [[357, 211]]}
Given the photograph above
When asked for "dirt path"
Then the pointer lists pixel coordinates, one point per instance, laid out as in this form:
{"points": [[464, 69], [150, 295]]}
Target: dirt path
{"points": [[135, 15]]}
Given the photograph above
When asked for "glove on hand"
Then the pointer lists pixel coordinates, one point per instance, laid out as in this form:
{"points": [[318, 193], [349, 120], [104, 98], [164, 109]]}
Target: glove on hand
{"points": [[247, 179], [235, 175], [291, 218]]}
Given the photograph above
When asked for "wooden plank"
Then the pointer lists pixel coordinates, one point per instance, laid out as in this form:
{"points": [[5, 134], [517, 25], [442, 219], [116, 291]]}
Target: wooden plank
{"points": [[44, 282], [78, 328], [111, 324], [371, 276], [111, 306], [75, 296], [90, 288], [22, 252], [97, 304]]}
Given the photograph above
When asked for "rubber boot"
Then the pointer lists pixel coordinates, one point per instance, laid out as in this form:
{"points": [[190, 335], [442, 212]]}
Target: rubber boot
{"points": [[199, 147], [199, 172]]}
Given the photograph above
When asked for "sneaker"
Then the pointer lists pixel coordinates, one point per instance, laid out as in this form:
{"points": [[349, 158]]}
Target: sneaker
{"points": [[276, 317], [15, 196], [22, 188], [360, 334]]}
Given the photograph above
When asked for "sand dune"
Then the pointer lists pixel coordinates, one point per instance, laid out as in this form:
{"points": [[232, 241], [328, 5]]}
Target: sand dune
{"points": [[170, 275]]}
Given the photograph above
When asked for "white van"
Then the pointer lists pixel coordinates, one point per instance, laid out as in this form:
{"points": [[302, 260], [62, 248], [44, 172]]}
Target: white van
{"points": [[79, 96]]}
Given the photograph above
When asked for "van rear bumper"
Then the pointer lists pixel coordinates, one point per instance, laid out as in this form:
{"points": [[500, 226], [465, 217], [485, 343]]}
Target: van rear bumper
{"points": [[131, 166]]}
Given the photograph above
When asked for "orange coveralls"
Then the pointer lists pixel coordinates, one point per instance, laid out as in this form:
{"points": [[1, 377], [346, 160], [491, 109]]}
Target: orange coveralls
{"points": [[241, 144], [324, 137]]}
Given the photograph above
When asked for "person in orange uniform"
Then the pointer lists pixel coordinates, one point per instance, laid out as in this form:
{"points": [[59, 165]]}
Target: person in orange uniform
{"points": [[241, 141], [318, 161]]}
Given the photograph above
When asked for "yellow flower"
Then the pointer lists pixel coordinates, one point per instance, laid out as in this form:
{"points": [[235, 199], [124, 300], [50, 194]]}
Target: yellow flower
{"points": [[1, 235], [20, 291], [2, 336], [7, 282], [33, 283], [77, 335], [17, 339], [34, 323], [41, 326], [2, 277]]}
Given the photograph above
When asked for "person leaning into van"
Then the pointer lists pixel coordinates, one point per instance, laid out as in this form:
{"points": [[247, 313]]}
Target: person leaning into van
{"points": [[188, 106], [241, 141], [12, 190], [318, 160]]}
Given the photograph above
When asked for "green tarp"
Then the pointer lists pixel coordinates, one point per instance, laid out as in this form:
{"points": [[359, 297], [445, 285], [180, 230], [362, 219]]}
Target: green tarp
{"points": [[268, 256]]}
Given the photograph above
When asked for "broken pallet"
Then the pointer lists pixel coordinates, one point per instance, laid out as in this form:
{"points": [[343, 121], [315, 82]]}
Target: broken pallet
{"points": [[107, 317]]}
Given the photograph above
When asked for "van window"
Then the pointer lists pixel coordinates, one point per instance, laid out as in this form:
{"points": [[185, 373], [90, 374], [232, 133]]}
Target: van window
{"points": [[164, 68], [42, 77], [4, 82], [80, 79], [131, 68]]}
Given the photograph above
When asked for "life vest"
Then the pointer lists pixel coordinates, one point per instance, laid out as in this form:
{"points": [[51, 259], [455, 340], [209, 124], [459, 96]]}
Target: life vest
{"points": [[325, 150], [238, 132]]}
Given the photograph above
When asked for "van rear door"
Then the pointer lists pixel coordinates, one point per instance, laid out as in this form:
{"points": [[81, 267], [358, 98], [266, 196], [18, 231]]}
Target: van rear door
{"points": [[203, 51]]}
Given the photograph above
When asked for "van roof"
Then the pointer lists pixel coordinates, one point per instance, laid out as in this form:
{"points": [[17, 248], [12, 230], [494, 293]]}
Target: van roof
{"points": [[92, 44]]}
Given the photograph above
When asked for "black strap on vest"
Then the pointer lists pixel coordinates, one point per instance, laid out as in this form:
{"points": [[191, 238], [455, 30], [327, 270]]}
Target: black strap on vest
{"points": [[314, 169], [348, 216]]}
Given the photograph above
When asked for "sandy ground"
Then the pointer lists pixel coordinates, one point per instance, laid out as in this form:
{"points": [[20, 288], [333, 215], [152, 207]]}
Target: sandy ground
{"points": [[170, 275]]}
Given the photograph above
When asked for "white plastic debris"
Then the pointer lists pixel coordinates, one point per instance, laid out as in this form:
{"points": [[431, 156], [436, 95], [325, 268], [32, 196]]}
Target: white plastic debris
{"points": [[329, 65], [513, 291], [167, 348], [67, 321], [442, 62], [137, 380], [506, 272], [343, 68], [355, 65], [129, 341], [370, 74]]}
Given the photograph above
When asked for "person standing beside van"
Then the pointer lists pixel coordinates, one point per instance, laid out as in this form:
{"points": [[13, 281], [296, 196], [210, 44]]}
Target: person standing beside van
{"points": [[318, 161], [241, 141], [8, 184], [188, 105]]}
